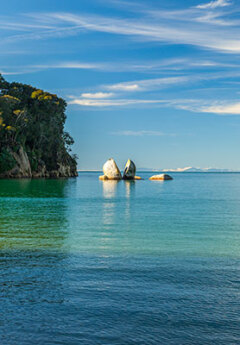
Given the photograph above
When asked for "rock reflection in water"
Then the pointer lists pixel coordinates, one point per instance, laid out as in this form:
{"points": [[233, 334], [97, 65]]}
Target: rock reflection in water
{"points": [[109, 194], [129, 191]]}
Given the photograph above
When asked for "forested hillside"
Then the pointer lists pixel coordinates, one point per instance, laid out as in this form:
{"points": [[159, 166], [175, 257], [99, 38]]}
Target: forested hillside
{"points": [[33, 142]]}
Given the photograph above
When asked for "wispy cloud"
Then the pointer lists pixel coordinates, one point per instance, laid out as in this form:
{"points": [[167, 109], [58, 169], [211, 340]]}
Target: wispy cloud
{"points": [[211, 107], [147, 84], [153, 30], [192, 105], [97, 95], [68, 65], [182, 79], [215, 4], [189, 16], [165, 28], [132, 133], [15, 70], [124, 87], [112, 103], [227, 109], [149, 67], [215, 19]]}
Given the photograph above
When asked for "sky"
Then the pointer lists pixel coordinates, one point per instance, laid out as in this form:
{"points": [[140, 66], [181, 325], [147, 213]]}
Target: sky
{"points": [[154, 81]]}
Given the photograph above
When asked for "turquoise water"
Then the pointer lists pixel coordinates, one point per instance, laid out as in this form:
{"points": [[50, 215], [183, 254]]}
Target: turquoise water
{"points": [[85, 261]]}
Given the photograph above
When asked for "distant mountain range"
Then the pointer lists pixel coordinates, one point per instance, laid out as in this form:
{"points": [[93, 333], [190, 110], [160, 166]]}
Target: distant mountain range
{"points": [[189, 169], [185, 170], [192, 169]]}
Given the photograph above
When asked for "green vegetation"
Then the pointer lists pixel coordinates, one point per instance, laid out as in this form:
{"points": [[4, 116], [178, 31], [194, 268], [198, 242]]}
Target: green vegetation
{"points": [[33, 120]]}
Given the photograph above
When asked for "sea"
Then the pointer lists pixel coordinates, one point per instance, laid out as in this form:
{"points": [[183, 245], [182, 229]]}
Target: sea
{"points": [[92, 262]]}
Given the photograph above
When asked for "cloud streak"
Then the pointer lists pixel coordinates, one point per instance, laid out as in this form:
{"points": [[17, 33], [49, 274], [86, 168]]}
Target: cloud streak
{"points": [[215, 4], [175, 27], [224, 109], [211, 107], [150, 30], [118, 67], [113, 103], [147, 84], [192, 105], [97, 95]]}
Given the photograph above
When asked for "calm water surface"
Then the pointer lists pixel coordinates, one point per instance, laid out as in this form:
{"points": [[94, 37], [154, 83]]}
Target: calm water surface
{"points": [[93, 262]]}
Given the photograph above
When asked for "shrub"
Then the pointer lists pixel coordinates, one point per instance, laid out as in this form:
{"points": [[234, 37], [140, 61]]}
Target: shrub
{"points": [[7, 162]]}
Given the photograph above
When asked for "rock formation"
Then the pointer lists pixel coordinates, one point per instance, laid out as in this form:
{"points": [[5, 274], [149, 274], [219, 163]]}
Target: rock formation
{"points": [[137, 178], [22, 168], [111, 171], [161, 177], [129, 171]]}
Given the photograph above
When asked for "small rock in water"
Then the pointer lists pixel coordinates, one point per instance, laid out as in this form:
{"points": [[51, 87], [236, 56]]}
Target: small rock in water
{"points": [[162, 177], [103, 178], [111, 170], [129, 171]]}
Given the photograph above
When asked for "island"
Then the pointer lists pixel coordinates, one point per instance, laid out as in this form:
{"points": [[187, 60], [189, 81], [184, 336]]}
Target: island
{"points": [[33, 142]]}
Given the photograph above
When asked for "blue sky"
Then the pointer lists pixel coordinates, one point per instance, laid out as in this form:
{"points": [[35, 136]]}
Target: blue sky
{"points": [[154, 81]]}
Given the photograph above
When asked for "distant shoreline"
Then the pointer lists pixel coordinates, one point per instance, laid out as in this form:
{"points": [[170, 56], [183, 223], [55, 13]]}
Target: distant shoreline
{"points": [[169, 171]]}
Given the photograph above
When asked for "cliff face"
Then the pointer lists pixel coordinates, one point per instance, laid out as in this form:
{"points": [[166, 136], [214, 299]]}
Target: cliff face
{"points": [[22, 168], [33, 142]]}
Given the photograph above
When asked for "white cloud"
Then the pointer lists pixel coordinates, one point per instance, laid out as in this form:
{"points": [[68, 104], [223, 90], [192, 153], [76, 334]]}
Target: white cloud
{"points": [[192, 105], [112, 103], [204, 106], [97, 95], [141, 133], [215, 4], [4, 72], [228, 109], [147, 84], [124, 87]]}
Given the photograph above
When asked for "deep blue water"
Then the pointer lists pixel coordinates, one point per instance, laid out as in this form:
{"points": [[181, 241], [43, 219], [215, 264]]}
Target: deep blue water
{"points": [[90, 262]]}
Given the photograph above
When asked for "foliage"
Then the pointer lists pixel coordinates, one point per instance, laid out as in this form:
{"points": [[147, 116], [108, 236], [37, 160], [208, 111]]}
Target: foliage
{"points": [[7, 161], [35, 120]]}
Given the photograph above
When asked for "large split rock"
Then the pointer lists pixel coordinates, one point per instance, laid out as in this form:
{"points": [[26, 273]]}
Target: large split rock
{"points": [[162, 177], [129, 171], [111, 170]]}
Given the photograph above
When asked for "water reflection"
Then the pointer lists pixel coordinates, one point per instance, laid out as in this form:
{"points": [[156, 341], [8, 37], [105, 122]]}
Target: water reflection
{"points": [[129, 188], [33, 214], [109, 204], [129, 191], [109, 188], [27, 188], [110, 193]]}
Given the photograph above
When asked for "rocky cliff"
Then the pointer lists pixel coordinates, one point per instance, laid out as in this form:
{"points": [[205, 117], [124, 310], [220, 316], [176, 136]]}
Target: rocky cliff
{"points": [[21, 167]]}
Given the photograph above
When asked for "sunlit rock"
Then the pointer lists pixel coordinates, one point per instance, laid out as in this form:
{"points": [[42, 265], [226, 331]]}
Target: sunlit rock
{"points": [[111, 170], [162, 177], [103, 178]]}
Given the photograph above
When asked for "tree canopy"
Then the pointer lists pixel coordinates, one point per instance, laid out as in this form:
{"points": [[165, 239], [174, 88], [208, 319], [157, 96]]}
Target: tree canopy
{"points": [[34, 119]]}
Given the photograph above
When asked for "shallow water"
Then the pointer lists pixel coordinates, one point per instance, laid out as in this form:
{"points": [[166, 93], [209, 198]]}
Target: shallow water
{"points": [[102, 262]]}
